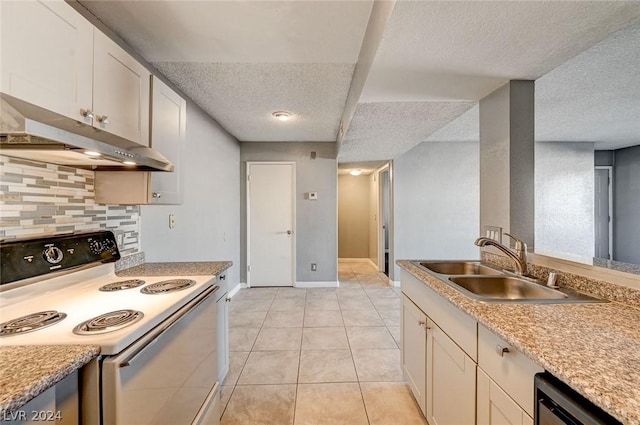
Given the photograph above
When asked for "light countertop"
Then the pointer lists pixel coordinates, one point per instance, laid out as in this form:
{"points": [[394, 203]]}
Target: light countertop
{"points": [[28, 371], [177, 268], [594, 348]]}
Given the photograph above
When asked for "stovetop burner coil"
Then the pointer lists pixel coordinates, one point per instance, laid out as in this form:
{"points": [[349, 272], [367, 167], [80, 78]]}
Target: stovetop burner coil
{"points": [[31, 322], [108, 322], [168, 286], [123, 284]]}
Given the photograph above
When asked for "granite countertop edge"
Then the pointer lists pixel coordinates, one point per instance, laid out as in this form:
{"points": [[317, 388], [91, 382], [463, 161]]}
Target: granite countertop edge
{"points": [[533, 330], [36, 369], [193, 268]]}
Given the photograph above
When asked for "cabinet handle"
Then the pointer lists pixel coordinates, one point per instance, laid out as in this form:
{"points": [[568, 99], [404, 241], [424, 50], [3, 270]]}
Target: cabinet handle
{"points": [[102, 119], [87, 113], [501, 351], [223, 277], [156, 194]]}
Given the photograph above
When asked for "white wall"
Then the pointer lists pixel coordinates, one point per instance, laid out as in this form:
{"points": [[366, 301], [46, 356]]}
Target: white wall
{"points": [[353, 216], [436, 189], [564, 197], [208, 222]]}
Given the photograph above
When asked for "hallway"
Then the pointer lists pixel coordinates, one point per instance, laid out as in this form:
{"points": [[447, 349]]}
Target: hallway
{"points": [[318, 356]]}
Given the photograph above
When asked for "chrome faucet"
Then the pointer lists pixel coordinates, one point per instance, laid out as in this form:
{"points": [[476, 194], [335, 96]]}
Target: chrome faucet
{"points": [[519, 257]]}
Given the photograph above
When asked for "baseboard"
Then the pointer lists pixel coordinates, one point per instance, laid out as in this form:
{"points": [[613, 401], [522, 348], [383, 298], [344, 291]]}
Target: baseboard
{"points": [[244, 285], [327, 284], [235, 289], [358, 260]]}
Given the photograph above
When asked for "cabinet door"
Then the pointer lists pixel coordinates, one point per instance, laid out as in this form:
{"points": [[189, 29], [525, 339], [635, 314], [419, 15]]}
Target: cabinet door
{"points": [[451, 381], [495, 407], [47, 56], [414, 349], [168, 129], [120, 91]]}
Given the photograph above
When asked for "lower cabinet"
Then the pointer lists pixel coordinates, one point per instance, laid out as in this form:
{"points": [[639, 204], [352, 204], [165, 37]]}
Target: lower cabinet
{"points": [[459, 371], [414, 350], [451, 380], [495, 407], [441, 376]]}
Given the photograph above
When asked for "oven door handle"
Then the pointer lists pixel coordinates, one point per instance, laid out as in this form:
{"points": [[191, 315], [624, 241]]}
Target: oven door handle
{"points": [[130, 359]]}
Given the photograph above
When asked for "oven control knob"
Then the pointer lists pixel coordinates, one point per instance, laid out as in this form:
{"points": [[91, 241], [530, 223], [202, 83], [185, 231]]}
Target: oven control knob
{"points": [[53, 254]]}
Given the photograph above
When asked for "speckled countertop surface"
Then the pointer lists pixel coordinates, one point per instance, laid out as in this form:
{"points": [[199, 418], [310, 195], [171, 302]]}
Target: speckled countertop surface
{"points": [[594, 348], [27, 371], [177, 269]]}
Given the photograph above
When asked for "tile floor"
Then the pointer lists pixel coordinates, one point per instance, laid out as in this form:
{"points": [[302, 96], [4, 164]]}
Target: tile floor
{"points": [[325, 356]]}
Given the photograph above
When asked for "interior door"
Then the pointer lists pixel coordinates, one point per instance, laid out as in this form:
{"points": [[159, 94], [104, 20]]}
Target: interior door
{"points": [[270, 224], [602, 213]]}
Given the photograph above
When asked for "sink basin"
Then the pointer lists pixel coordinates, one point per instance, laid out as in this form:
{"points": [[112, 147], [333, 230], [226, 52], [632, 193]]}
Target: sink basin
{"points": [[459, 268], [505, 288]]}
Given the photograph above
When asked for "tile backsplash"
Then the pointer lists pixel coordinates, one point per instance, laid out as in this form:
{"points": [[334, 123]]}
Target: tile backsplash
{"points": [[44, 199]]}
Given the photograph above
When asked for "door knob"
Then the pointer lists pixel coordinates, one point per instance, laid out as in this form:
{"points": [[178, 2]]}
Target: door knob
{"points": [[289, 232]]}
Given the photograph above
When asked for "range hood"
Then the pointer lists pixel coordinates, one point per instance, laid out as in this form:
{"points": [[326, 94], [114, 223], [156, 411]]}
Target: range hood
{"points": [[30, 132]]}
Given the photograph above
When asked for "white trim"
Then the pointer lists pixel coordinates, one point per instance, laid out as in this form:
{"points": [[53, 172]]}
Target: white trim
{"points": [[327, 284], [396, 283], [235, 290], [293, 219], [244, 285], [380, 206], [358, 260]]}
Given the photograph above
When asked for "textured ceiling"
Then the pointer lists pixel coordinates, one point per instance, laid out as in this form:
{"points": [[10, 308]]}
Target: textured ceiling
{"points": [[242, 60], [454, 51], [383, 130], [242, 97], [594, 97]]}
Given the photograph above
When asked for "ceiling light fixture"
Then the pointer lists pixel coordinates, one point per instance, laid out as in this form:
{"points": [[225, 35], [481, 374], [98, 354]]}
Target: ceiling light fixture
{"points": [[92, 153], [282, 115], [355, 172]]}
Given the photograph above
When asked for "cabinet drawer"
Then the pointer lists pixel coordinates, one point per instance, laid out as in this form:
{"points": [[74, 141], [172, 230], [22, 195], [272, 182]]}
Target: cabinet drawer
{"points": [[511, 370], [458, 325]]}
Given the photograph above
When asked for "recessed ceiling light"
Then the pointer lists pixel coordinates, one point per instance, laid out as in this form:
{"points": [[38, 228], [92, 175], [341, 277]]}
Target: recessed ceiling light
{"points": [[128, 163], [282, 115], [92, 153], [355, 172]]}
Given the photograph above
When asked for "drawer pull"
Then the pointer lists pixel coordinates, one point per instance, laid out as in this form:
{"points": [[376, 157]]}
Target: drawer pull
{"points": [[501, 351]]}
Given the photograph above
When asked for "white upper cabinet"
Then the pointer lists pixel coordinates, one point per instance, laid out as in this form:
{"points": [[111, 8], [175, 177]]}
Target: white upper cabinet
{"points": [[52, 57], [120, 91], [168, 133], [47, 56]]}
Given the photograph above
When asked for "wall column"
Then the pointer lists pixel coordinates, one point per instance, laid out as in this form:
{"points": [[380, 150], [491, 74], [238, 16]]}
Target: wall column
{"points": [[507, 160]]}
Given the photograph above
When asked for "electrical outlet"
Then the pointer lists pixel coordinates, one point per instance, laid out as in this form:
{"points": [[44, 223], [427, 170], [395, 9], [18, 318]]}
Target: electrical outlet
{"points": [[119, 239], [172, 221], [493, 232], [314, 267]]}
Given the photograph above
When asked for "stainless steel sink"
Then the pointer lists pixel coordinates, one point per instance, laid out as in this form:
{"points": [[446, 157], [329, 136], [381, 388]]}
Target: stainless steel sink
{"points": [[503, 288], [459, 268]]}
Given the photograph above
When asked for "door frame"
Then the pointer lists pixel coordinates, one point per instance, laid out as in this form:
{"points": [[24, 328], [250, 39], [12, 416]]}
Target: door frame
{"points": [[248, 218], [387, 168], [609, 169]]}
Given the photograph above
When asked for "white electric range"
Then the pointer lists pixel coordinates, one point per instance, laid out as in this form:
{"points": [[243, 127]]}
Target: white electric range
{"points": [[157, 335]]}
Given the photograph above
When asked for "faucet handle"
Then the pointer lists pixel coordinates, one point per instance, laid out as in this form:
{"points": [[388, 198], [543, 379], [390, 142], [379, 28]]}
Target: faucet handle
{"points": [[520, 244]]}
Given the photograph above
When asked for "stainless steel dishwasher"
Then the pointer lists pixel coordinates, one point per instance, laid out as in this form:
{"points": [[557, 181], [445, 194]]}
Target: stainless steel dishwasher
{"points": [[558, 404]]}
